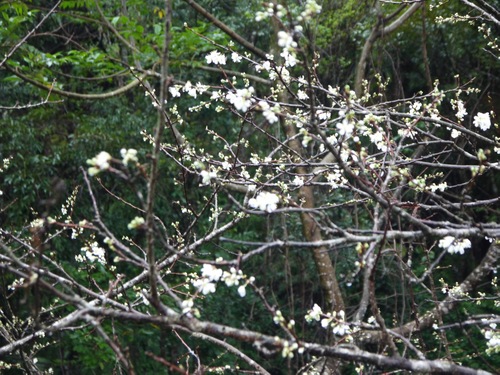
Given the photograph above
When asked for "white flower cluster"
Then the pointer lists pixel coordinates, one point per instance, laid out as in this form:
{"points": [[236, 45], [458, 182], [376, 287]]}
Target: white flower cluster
{"points": [[99, 163], [461, 111], [345, 128], [335, 321], [189, 88], [285, 40], [265, 201], [207, 176], [93, 252], [136, 222], [269, 12], [270, 113], [311, 9], [241, 99], [210, 275], [216, 58], [482, 121], [454, 245], [129, 155], [493, 337]]}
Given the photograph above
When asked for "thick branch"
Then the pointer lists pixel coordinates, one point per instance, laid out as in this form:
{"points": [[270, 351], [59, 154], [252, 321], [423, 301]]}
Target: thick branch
{"points": [[233, 34], [76, 95], [377, 32]]}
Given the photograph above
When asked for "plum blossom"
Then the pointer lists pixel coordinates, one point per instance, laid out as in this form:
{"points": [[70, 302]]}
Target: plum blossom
{"points": [[216, 58], [242, 291], [482, 121], [311, 8], [210, 272], [285, 40], [461, 111], [94, 252], [454, 245], [235, 57], [129, 155], [232, 277], [345, 128], [190, 89], [269, 112], [298, 181], [455, 133], [290, 59], [204, 285], [265, 201], [241, 99], [493, 337], [314, 314], [174, 91], [207, 176], [136, 222], [99, 163]]}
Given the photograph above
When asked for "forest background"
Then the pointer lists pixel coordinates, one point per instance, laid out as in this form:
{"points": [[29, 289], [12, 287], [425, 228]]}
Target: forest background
{"points": [[249, 187]]}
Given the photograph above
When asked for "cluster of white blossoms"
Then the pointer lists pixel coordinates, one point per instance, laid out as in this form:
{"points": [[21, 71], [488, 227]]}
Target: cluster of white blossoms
{"points": [[102, 161], [461, 111], [93, 252], [136, 222], [207, 177], [310, 10], [216, 58], [334, 321], [493, 336], [210, 275], [265, 201], [129, 155], [345, 128], [270, 113], [454, 245], [482, 121], [241, 99], [269, 12], [99, 163]]}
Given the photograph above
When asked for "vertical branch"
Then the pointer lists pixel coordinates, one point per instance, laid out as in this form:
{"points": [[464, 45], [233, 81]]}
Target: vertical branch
{"points": [[425, 57], [379, 31], [153, 177]]}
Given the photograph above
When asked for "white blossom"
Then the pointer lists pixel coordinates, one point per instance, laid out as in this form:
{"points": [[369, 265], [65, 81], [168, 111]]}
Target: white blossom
{"points": [[99, 163], [265, 201], [94, 252], [454, 245], [241, 99], [285, 40], [345, 128], [204, 285], [210, 272], [314, 314], [129, 155], [242, 291], [302, 95], [232, 277], [207, 176], [461, 111], [455, 133], [298, 181], [235, 57], [174, 91], [482, 121], [290, 59], [190, 89], [136, 223], [216, 58]]}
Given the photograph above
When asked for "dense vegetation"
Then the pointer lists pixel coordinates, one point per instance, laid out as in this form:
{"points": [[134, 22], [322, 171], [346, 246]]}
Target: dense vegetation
{"points": [[249, 187]]}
